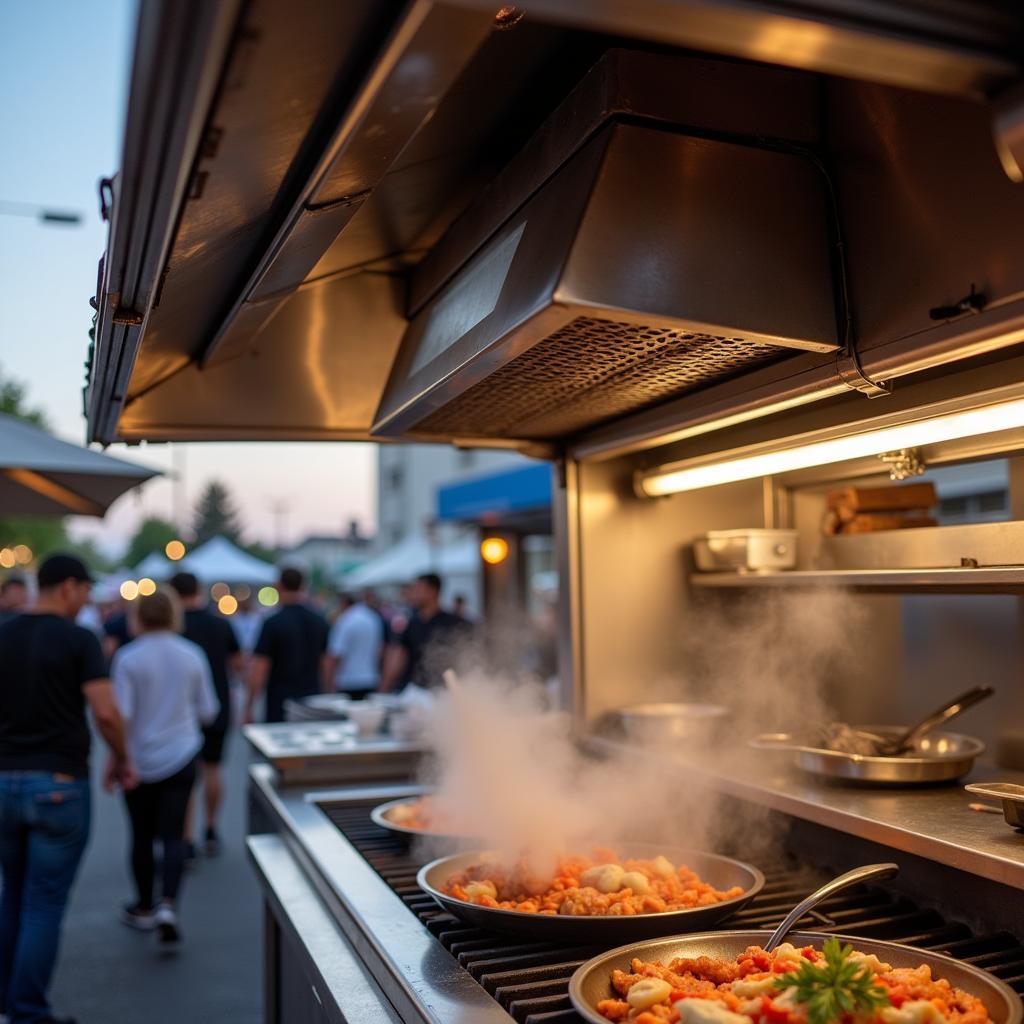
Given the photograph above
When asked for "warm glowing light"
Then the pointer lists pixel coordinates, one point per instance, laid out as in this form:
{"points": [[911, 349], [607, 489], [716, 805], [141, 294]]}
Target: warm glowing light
{"points": [[219, 590], [22, 554], [725, 470], [129, 590], [267, 596], [146, 587], [7, 558], [494, 550], [174, 550], [227, 605]]}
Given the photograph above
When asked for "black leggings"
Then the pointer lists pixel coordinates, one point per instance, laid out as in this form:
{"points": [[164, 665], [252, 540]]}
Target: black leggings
{"points": [[157, 811]]}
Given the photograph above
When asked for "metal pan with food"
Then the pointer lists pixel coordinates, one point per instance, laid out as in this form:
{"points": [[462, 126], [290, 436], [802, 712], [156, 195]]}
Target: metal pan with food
{"points": [[416, 817], [750, 977], [640, 891], [936, 757]]}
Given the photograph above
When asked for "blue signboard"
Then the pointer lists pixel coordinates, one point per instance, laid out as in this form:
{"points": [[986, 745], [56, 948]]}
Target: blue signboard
{"points": [[494, 496]]}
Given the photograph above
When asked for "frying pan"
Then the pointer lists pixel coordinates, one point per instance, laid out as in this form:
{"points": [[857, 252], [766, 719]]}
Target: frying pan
{"points": [[592, 981], [379, 816], [721, 872]]}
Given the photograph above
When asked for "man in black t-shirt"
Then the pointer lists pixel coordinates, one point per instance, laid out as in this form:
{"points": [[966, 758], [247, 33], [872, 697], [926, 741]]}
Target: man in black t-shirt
{"points": [[220, 645], [49, 670], [429, 643], [289, 660]]}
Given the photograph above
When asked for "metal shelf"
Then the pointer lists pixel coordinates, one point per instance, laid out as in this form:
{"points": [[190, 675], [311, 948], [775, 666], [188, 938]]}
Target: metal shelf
{"points": [[991, 580], [930, 821]]}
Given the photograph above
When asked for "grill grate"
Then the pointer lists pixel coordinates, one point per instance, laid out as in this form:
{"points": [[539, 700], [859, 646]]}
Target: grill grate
{"points": [[590, 370], [531, 979]]}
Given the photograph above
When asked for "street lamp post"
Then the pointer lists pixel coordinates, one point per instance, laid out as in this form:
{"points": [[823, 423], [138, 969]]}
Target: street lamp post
{"points": [[44, 214]]}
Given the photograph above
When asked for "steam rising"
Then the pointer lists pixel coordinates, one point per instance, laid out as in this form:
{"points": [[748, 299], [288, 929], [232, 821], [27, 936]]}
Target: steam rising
{"points": [[509, 772]]}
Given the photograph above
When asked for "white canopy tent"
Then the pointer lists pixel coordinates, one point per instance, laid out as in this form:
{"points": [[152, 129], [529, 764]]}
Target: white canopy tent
{"points": [[413, 557], [156, 567], [220, 561]]}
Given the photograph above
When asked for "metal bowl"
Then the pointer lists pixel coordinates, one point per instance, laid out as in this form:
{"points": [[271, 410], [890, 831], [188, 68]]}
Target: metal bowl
{"points": [[592, 982], [935, 757], [721, 872], [661, 723]]}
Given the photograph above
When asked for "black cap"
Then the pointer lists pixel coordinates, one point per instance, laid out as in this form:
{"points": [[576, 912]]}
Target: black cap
{"points": [[55, 569]]}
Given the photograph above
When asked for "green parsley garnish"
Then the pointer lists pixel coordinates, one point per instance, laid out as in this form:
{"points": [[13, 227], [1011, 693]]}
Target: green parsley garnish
{"points": [[837, 987]]}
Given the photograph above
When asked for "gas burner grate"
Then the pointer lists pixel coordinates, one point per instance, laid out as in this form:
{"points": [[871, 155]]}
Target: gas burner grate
{"points": [[531, 979]]}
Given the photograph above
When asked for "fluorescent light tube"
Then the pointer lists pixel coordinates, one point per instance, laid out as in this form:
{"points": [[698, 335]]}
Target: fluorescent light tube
{"points": [[726, 468]]}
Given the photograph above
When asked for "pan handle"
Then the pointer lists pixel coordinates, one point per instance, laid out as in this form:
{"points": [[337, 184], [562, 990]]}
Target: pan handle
{"points": [[851, 878]]}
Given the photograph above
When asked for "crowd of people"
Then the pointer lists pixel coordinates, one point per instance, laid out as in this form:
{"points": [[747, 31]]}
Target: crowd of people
{"points": [[159, 691]]}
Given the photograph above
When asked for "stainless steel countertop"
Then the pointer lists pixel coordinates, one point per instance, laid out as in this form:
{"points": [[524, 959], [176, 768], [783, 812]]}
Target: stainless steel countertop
{"points": [[417, 974], [932, 822]]}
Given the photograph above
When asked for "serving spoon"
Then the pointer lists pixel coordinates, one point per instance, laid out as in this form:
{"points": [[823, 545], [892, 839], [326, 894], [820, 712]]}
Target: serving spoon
{"points": [[862, 874], [895, 746]]}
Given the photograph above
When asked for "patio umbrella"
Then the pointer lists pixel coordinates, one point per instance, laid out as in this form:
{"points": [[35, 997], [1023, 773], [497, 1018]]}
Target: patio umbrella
{"points": [[42, 475]]}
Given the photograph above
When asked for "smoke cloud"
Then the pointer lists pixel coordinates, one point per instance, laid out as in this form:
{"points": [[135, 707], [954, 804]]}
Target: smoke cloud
{"points": [[508, 769]]}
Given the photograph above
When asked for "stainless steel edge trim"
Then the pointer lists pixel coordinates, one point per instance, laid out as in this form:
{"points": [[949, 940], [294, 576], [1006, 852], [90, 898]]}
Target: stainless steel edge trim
{"points": [[418, 975], [904, 48], [914, 821], [295, 906], [170, 100]]}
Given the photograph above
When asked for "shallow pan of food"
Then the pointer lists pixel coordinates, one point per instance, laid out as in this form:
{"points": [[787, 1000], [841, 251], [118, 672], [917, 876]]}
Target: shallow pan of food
{"points": [[592, 982], [934, 757], [1010, 795], [412, 817], [734, 882]]}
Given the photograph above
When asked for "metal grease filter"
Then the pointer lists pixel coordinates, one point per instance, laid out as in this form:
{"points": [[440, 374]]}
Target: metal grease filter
{"points": [[591, 370]]}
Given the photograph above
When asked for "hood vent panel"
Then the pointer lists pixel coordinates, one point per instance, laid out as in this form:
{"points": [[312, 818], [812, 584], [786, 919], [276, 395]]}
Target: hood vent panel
{"points": [[651, 264], [590, 370]]}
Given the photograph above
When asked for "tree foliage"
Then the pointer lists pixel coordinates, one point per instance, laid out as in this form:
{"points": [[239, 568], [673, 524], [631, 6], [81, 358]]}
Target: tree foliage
{"points": [[152, 535], [215, 515]]}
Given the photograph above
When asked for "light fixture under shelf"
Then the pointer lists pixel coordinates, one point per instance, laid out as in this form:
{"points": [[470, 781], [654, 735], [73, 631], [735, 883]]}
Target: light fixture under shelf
{"points": [[931, 426]]}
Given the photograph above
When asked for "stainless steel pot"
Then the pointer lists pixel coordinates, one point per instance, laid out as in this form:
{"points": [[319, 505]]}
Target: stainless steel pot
{"points": [[660, 723], [935, 757]]}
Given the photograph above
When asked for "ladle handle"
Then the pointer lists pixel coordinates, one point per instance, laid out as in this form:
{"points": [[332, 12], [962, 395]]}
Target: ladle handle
{"points": [[851, 878], [955, 707]]}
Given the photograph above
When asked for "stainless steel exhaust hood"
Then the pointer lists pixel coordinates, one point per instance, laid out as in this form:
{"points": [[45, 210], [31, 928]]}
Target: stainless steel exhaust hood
{"points": [[595, 222], [653, 263]]}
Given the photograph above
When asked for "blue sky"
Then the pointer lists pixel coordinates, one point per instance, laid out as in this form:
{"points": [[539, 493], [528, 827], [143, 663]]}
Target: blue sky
{"points": [[63, 77]]}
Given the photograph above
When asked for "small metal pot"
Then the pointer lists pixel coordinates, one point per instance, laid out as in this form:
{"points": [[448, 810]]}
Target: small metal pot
{"points": [[1009, 794], [651, 724]]}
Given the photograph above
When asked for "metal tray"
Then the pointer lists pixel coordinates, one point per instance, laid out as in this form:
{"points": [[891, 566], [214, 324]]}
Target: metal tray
{"points": [[1011, 796], [721, 872], [592, 982], [936, 757]]}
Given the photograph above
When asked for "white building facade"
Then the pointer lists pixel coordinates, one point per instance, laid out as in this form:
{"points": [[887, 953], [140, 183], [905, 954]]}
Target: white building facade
{"points": [[408, 478]]}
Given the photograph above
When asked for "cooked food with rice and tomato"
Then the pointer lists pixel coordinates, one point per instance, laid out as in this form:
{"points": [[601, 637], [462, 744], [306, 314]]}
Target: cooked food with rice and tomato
{"points": [[598, 886], [834, 985]]}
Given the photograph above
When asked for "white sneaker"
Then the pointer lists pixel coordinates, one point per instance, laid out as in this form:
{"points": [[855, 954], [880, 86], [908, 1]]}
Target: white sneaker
{"points": [[141, 920], [168, 931]]}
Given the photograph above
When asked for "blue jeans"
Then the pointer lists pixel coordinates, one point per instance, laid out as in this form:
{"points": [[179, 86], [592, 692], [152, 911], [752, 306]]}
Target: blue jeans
{"points": [[44, 825]]}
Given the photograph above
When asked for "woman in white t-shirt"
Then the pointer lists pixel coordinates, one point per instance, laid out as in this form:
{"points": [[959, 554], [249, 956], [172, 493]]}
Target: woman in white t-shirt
{"points": [[165, 693]]}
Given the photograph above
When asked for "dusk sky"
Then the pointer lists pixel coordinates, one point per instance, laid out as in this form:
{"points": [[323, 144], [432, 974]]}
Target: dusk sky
{"points": [[64, 68]]}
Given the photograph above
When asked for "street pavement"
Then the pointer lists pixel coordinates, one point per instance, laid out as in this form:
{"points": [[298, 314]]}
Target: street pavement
{"points": [[109, 974]]}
